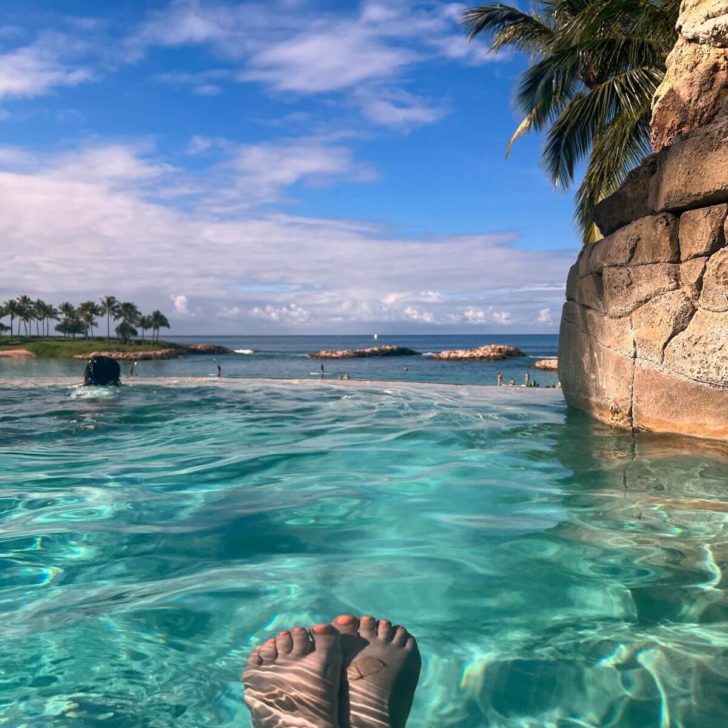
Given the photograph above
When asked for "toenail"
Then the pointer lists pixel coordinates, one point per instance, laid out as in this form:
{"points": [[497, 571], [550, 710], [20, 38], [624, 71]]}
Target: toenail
{"points": [[345, 619], [283, 634], [321, 628], [298, 630]]}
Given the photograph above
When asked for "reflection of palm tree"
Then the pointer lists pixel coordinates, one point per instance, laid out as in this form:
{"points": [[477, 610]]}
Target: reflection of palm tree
{"points": [[109, 308], [158, 321], [597, 65]]}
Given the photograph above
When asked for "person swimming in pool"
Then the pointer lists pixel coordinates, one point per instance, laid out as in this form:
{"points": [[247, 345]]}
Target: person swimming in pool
{"points": [[352, 673]]}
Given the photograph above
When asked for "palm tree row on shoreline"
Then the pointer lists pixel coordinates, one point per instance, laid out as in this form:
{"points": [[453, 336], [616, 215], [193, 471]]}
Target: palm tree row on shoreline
{"points": [[79, 320]]}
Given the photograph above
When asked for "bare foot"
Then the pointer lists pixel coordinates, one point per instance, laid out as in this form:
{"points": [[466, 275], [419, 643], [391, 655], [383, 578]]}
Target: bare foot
{"points": [[381, 669], [293, 681]]}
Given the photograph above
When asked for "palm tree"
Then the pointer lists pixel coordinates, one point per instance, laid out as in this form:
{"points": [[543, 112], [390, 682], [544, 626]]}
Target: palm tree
{"points": [[12, 309], [596, 65], [109, 308], [125, 331], [52, 314], [70, 320], [3, 328], [40, 312], [129, 312], [25, 306], [158, 321], [145, 323], [86, 312]]}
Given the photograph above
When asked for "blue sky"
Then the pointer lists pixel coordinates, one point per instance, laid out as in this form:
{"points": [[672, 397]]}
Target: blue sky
{"points": [[287, 166]]}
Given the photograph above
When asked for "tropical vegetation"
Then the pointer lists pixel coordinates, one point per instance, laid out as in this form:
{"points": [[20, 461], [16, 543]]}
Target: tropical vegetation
{"points": [[595, 65], [26, 316]]}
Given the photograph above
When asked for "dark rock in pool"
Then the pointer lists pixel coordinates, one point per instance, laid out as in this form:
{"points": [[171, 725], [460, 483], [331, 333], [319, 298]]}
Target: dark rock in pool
{"points": [[387, 350]]}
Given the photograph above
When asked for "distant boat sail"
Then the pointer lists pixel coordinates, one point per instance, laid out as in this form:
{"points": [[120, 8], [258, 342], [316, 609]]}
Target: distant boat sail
{"points": [[376, 336]]}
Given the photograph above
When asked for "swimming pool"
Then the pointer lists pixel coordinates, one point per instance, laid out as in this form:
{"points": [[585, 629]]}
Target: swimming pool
{"points": [[554, 571]]}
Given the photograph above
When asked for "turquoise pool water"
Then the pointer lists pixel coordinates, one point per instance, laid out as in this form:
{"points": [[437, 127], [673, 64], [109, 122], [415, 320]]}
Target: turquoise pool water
{"points": [[556, 573]]}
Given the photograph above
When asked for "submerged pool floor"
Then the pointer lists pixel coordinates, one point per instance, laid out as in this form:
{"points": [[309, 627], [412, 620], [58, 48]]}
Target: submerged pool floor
{"points": [[555, 572]]}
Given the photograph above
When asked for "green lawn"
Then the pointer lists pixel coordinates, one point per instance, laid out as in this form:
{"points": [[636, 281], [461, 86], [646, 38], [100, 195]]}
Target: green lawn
{"points": [[54, 347]]}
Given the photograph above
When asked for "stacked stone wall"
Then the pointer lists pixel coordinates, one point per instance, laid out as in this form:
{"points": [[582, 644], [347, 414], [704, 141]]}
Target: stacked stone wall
{"points": [[644, 331]]}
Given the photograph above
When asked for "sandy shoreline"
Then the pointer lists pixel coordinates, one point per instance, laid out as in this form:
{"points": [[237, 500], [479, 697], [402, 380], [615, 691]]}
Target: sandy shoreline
{"points": [[15, 353]]}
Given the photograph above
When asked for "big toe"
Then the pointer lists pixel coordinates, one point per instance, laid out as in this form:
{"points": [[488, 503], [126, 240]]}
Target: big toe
{"points": [[326, 638], [346, 624]]}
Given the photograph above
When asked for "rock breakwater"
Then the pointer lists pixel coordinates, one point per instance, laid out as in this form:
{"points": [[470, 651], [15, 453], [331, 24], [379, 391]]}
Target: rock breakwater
{"points": [[386, 350]]}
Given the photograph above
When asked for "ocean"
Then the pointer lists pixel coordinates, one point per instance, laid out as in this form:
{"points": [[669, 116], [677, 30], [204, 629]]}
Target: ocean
{"points": [[285, 357]]}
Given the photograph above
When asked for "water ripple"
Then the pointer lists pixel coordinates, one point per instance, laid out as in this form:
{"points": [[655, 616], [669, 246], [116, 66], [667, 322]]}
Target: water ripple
{"points": [[555, 572]]}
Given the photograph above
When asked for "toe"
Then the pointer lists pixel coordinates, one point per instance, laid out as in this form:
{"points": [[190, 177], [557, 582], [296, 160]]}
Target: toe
{"points": [[384, 630], [400, 636], [368, 627], [284, 643], [268, 652], [411, 644], [254, 658], [301, 642], [346, 624], [325, 637]]}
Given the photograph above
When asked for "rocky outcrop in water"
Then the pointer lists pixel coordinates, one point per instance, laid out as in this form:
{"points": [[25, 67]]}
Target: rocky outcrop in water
{"points": [[489, 352], [166, 353], [386, 350], [644, 331], [546, 365], [205, 349], [144, 355]]}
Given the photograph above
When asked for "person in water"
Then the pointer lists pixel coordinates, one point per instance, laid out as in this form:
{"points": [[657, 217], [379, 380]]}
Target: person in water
{"points": [[101, 371], [352, 673]]}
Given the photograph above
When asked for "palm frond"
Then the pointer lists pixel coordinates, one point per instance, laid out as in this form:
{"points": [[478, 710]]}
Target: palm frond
{"points": [[618, 149], [570, 138], [509, 26]]}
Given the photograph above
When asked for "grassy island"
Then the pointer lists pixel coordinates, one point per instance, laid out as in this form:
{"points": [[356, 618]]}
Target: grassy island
{"points": [[58, 347]]}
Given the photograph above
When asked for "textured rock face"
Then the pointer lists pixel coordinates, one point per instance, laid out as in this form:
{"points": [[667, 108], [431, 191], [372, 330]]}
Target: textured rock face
{"points": [[644, 332], [693, 92]]}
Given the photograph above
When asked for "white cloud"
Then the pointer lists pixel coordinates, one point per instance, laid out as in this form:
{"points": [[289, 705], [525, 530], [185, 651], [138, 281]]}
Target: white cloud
{"points": [[416, 314], [33, 70], [84, 234], [503, 317], [264, 169], [366, 50], [180, 304], [545, 316], [475, 315], [399, 110], [290, 313], [207, 89]]}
